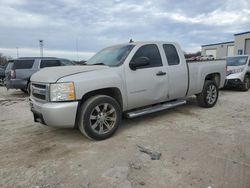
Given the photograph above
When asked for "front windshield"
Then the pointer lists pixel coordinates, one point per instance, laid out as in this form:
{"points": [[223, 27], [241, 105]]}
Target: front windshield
{"points": [[236, 61], [111, 56]]}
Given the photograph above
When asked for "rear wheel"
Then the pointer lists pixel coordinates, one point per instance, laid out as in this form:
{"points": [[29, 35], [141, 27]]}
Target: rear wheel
{"points": [[209, 95], [27, 90], [246, 84], [99, 117]]}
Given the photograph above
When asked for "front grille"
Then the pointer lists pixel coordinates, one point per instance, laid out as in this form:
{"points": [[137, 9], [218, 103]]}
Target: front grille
{"points": [[39, 91]]}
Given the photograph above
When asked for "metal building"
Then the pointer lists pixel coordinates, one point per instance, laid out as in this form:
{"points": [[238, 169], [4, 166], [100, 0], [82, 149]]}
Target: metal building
{"points": [[240, 46]]}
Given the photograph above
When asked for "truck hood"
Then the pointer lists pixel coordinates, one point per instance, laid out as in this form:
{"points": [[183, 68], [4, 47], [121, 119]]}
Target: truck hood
{"points": [[52, 74]]}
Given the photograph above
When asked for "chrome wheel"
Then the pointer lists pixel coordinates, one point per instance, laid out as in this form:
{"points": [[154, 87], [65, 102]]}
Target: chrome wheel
{"points": [[103, 118], [211, 94]]}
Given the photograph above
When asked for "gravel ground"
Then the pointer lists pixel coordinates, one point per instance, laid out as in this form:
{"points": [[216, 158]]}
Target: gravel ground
{"points": [[200, 148]]}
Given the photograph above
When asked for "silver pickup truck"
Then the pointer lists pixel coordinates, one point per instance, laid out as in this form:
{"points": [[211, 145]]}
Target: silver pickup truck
{"points": [[131, 79]]}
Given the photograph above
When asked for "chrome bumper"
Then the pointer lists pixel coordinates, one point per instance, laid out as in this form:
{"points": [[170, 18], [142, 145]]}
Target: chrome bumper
{"points": [[56, 114]]}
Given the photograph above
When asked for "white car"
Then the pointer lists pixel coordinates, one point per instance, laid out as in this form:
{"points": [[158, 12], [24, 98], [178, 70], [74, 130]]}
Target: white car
{"points": [[238, 72], [206, 57]]}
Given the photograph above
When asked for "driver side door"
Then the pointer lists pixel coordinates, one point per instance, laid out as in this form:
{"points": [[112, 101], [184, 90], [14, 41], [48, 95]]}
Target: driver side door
{"points": [[147, 84]]}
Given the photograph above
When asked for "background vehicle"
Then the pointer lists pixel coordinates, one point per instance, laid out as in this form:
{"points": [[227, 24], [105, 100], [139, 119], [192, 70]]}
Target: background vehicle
{"points": [[238, 72], [207, 57], [23, 68], [134, 79], [2, 74], [7, 71]]}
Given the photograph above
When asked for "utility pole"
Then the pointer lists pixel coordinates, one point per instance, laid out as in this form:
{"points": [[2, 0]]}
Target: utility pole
{"points": [[77, 54], [17, 52], [41, 47]]}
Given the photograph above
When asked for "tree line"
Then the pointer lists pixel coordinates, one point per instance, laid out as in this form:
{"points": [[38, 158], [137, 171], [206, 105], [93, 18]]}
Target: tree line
{"points": [[4, 59]]}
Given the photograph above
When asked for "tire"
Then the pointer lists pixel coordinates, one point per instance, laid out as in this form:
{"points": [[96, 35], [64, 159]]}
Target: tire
{"points": [[246, 84], [28, 88], [209, 95], [24, 90], [99, 117]]}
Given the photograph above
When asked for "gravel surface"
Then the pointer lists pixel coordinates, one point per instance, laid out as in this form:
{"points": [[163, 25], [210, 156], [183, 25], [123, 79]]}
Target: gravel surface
{"points": [[199, 147]]}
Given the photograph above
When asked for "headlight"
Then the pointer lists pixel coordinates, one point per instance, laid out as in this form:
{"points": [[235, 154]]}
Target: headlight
{"points": [[62, 92], [237, 71]]}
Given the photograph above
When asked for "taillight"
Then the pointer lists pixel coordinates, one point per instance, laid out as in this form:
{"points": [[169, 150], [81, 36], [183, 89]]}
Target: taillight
{"points": [[13, 74]]}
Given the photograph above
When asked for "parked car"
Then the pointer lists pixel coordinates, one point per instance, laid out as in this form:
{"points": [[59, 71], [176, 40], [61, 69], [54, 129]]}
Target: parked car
{"points": [[7, 71], [206, 57], [2, 75], [238, 72], [133, 79], [23, 68]]}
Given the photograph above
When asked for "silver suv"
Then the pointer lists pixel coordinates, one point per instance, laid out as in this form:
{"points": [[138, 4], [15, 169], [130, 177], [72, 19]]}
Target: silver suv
{"points": [[23, 68]]}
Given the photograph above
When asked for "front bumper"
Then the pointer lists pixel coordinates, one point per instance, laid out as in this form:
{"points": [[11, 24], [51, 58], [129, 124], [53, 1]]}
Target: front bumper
{"points": [[233, 82], [56, 114]]}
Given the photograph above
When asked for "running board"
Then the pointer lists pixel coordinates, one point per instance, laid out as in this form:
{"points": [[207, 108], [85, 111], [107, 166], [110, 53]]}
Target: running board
{"points": [[155, 108]]}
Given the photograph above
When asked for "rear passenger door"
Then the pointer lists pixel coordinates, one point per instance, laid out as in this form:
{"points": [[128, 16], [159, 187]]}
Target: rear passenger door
{"points": [[49, 63], [177, 72]]}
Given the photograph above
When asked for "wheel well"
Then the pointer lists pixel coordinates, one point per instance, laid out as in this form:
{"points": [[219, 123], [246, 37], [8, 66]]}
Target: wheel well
{"points": [[215, 77], [112, 92]]}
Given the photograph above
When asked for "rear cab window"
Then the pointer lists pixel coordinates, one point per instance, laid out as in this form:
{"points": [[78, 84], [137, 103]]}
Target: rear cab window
{"points": [[171, 54], [49, 63], [23, 64]]}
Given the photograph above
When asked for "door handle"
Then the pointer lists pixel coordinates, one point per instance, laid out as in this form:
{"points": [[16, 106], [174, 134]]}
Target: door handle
{"points": [[161, 73]]}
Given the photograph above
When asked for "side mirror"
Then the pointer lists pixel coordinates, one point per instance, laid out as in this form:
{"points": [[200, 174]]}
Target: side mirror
{"points": [[139, 62]]}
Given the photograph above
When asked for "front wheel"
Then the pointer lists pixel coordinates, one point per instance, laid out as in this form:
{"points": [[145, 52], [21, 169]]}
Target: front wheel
{"points": [[99, 117], [246, 84], [209, 95]]}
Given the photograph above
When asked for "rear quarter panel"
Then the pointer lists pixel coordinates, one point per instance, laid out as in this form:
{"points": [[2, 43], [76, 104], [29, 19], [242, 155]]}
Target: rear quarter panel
{"points": [[199, 70]]}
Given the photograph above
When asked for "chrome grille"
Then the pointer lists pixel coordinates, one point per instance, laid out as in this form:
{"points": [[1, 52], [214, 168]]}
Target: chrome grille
{"points": [[39, 91]]}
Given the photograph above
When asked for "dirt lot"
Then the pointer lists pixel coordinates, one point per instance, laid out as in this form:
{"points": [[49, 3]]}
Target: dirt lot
{"points": [[200, 148]]}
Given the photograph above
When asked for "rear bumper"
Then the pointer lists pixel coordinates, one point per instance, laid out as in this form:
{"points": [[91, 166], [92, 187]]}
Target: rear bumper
{"points": [[60, 114], [16, 84]]}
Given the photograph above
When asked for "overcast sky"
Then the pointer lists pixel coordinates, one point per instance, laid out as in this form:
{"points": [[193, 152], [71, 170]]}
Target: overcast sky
{"points": [[63, 24]]}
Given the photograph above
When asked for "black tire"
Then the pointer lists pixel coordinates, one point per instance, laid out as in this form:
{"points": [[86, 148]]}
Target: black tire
{"points": [[246, 84], [24, 90], [27, 90], [88, 111], [208, 98]]}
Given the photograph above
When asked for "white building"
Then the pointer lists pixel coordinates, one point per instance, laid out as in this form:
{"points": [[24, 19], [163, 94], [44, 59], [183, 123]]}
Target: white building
{"points": [[240, 46]]}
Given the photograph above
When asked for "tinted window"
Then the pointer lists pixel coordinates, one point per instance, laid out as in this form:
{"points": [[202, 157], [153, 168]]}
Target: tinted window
{"points": [[150, 51], [171, 54], [23, 64], [50, 63]]}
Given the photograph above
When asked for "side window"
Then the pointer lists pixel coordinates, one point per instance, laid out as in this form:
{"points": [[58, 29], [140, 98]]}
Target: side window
{"points": [[49, 63], [23, 64], [150, 51], [249, 63], [171, 54]]}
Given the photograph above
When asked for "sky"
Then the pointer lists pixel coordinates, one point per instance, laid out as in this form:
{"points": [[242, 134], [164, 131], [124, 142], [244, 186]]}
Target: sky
{"points": [[71, 26]]}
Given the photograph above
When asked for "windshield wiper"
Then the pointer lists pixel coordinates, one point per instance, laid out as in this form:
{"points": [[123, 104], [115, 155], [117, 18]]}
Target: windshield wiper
{"points": [[97, 64]]}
